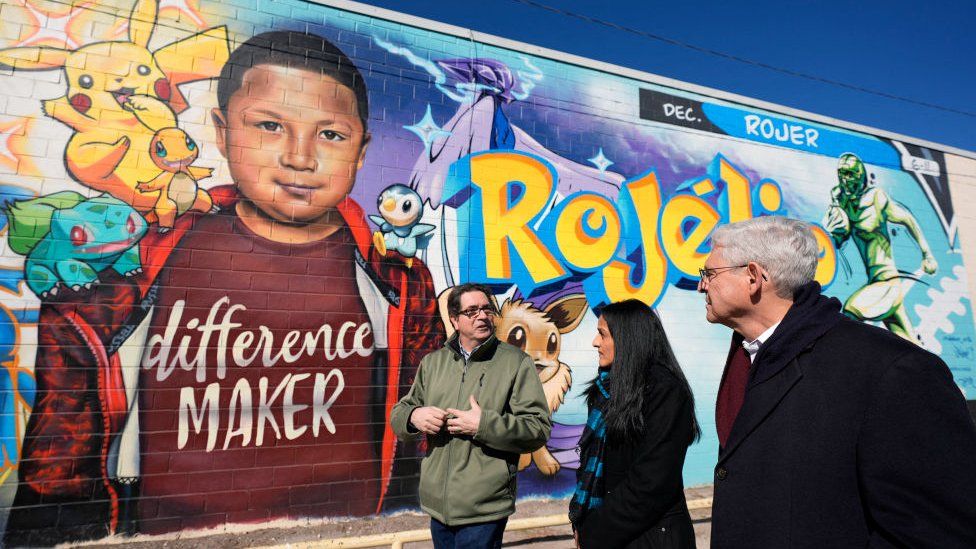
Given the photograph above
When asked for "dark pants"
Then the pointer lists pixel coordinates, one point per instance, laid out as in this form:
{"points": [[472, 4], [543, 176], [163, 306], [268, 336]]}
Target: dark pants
{"points": [[483, 535]]}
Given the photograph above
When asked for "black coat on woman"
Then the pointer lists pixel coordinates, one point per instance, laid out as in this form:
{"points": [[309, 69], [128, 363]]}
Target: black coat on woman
{"points": [[644, 504]]}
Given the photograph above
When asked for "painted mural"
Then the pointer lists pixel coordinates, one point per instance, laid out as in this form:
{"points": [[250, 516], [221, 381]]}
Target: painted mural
{"points": [[229, 228]]}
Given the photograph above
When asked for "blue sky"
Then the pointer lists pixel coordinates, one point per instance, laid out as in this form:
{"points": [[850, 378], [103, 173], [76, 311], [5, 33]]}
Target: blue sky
{"points": [[922, 51]]}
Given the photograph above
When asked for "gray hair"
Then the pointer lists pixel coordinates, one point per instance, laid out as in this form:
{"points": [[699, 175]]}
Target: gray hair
{"points": [[785, 247]]}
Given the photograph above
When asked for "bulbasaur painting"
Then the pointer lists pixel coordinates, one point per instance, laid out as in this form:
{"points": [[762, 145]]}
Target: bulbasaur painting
{"points": [[69, 240]]}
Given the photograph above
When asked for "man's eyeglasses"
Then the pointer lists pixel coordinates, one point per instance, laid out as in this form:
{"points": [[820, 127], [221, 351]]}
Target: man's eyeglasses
{"points": [[708, 274], [473, 311]]}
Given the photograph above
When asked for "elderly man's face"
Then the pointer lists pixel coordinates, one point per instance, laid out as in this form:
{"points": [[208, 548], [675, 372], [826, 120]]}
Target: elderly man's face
{"points": [[726, 288]]}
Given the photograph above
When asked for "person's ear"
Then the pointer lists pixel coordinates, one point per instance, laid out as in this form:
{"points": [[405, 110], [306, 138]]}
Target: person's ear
{"points": [[362, 150], [454, 322], [220, 125], [756, 276]]}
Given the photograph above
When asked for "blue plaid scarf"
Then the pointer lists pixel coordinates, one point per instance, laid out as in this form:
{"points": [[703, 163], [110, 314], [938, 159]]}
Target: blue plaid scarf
{"points": [[589, 476]]}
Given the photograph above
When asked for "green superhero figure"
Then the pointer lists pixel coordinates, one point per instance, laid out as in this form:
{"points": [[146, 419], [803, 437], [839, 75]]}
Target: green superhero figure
{"points": [[860, 211]]}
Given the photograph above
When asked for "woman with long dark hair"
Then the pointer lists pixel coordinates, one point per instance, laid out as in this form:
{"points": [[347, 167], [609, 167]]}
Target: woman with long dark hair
{"points": [[630, 492]]}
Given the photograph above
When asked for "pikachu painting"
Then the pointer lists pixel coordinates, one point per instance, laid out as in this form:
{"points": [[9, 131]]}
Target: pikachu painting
{"points": [[119, 95]]}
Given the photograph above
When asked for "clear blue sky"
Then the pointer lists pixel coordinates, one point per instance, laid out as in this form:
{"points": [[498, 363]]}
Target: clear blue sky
{"points": [[923, 51]]}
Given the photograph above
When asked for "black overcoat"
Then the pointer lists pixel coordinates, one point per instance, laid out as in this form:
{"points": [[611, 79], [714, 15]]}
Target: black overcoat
{"points": [[644, 506], [861, 440]]}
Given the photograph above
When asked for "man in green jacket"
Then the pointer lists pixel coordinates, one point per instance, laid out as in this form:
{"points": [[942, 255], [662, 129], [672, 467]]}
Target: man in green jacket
{"points": [[467, 480]]}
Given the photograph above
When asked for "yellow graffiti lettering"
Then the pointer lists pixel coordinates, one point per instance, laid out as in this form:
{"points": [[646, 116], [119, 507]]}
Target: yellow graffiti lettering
{"points": [[579, 248], [827, 257], [506, 224], [770, 196], [684, 251], [740, 203], [646, 195], [703, 187]]}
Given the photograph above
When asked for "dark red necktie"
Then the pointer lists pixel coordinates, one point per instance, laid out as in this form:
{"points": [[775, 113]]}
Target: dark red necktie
{"points": [[732, 391]]}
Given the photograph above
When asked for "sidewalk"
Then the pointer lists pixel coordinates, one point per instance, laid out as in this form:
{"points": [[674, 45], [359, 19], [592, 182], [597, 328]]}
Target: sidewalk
{"points": [[305, 533]]}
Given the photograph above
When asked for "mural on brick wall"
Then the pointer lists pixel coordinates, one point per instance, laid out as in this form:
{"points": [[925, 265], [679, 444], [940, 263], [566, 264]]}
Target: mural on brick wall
{"points": [[229, 230]]}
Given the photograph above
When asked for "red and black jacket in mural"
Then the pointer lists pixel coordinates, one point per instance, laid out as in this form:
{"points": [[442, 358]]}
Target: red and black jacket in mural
{"points": [[70, 485]]}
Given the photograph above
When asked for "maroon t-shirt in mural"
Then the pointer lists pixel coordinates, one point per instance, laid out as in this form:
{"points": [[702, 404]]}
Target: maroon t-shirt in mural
{"points": [[256, 390]]}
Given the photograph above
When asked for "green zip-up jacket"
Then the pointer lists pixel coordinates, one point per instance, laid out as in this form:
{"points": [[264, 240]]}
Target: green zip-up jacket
{"points": [[464, 479]]}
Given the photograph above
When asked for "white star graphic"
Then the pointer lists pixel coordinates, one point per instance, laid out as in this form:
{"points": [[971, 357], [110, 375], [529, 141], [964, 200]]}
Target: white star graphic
{"points": [[13, 144], [7, 157], [120, 30], [184, 7], [601, 161], [427, 130], [51, 27]]}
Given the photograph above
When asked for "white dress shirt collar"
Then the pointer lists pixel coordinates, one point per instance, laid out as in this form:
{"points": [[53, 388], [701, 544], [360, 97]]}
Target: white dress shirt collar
{"points": [[752, 347]]}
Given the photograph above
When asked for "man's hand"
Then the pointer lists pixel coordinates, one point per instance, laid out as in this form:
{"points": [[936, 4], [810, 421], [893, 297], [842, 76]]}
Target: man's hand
{"points": [[428, 419], [465, 423], [929, 264]]}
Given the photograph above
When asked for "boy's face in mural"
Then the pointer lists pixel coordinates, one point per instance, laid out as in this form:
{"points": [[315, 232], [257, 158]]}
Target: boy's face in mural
{"points": [[293, 140]]}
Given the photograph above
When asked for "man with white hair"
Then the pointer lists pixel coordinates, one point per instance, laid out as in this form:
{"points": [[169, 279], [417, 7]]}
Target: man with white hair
{"points": [[832, 433]]}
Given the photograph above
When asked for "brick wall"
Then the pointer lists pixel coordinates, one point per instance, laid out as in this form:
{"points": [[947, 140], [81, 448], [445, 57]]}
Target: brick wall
{"points": [[223, 248]]}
